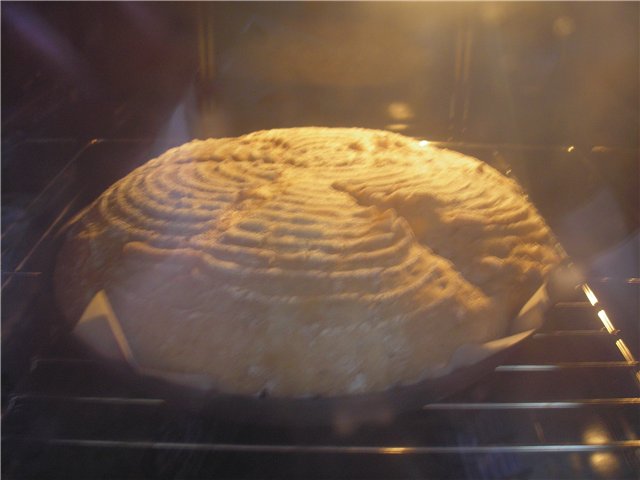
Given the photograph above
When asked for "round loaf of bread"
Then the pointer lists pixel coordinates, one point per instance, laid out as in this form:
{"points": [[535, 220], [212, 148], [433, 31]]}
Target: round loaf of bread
{"points": [[307, 261]]}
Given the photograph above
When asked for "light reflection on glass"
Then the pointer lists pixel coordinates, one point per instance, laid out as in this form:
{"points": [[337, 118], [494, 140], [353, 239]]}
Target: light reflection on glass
{"points": [[423, 143], [605, 321], [564, 26], [605, 464], [624, 350], [400, 111], [596, 433], [604, 318], [394, 450], [590, 295]]}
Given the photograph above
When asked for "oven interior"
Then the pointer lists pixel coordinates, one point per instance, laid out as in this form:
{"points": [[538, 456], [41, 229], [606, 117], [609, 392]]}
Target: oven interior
{"points": [[79, 113]]}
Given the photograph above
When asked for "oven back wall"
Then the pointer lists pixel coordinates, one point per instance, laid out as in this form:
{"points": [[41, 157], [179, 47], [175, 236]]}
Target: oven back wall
{"points": [[535, 73]]}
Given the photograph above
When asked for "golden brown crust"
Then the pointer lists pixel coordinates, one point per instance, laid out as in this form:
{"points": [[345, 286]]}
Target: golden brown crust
{"points": [[307, 261]]}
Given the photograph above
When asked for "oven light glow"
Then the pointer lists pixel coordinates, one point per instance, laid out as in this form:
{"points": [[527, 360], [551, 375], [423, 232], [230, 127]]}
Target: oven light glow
{"points": [[605, 321], [571, 149], [394, 450], [596, 434], [400, 111], [590, 295], [423, 143], [397, 127], [605, 463]]}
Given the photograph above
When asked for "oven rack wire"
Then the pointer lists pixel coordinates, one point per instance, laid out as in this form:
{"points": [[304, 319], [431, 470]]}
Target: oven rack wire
{"points": [[602, 429]]}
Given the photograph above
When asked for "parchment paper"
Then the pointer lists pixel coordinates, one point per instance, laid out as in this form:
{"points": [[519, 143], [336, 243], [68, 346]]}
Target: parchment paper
{"points": [[100, 329]]}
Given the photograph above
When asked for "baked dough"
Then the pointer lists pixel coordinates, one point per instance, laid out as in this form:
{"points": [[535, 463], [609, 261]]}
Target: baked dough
{"points": [[307, 261]]}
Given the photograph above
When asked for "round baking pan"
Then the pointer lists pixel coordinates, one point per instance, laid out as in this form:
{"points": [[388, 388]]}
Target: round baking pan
{"points": [[469, 364], [342, 411]]}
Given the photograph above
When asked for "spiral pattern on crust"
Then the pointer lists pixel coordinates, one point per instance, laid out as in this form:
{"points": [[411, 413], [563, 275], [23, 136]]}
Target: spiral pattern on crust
{"points": [[238, 210]]}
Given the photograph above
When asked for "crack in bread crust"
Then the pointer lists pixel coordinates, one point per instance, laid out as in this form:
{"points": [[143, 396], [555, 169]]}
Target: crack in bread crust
{"points": [[307, 261]]}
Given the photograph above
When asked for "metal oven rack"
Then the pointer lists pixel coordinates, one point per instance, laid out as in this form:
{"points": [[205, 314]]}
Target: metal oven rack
{"points": [[566, 404]]}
